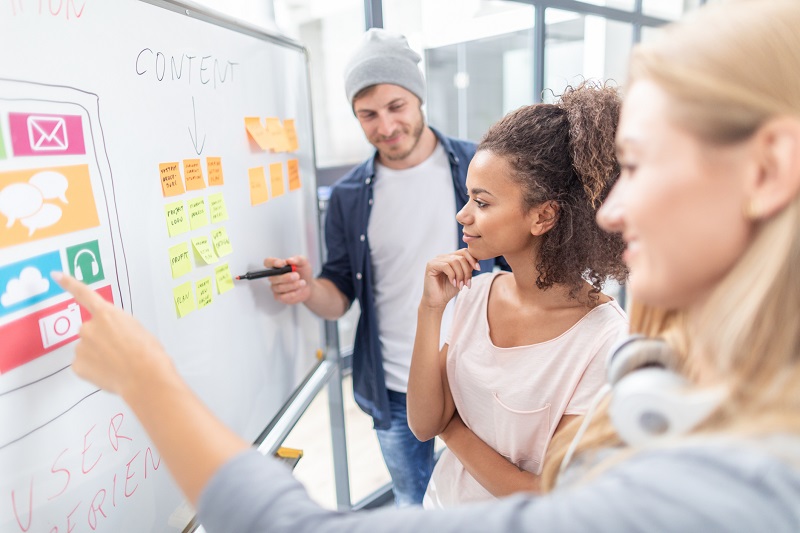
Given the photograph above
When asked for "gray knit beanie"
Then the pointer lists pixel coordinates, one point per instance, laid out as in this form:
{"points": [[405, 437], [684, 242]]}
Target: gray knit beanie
{"points": [[383, 57]]}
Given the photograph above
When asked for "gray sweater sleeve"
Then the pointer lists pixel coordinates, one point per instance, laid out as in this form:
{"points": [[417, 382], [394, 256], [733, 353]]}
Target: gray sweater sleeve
{"points": [[703, 489]]}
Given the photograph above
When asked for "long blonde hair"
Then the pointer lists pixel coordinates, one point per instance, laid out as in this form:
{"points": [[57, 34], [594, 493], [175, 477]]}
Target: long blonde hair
{"points": [[729, 68]]}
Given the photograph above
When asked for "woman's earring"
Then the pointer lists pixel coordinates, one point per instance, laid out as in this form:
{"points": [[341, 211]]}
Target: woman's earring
{"points": [[752, 210]]}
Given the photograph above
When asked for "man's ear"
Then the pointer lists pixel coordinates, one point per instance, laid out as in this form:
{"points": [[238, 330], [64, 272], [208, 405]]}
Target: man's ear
{"points": [[777, 182], [543, 217]]}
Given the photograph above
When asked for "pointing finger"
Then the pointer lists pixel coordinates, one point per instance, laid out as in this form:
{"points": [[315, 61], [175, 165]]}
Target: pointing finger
{"points": [[84, 295]]}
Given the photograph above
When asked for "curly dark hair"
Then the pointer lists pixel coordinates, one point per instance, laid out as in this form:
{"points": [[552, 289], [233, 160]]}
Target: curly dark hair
{"points": [[564, 153]]}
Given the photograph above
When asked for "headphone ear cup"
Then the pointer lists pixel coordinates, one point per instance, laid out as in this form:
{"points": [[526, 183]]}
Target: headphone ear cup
{"points": [[78, 273], [642, 405], [654, 403], [95, 268]]}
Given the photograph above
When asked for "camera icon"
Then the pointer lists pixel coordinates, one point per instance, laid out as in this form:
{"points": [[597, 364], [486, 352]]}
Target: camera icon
{"points": [[60, 326]]}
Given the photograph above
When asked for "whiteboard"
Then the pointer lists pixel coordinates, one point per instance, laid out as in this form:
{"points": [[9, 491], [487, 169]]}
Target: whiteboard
{"points": [[101, 103]]}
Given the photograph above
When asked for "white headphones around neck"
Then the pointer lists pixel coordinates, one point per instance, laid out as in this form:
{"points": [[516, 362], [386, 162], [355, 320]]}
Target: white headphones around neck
{"points": [[649, 399]]}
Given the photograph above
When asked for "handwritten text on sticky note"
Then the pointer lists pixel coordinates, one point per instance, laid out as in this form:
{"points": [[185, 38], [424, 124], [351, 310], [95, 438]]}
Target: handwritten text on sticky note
{"points": [[193, 175], [171, 182], [275, 135], [224, 279], [217, 207], [184, 299], [291, 134], [179, 260], [258, 186], [215, 177], [293, 169], [257, 132], [177, 222], [222, 244], [197, 213], [205, 290], [276, 179], [204, 250]]}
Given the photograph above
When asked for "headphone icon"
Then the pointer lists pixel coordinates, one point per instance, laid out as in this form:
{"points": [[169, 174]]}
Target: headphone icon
{"points": [[77, 269]]}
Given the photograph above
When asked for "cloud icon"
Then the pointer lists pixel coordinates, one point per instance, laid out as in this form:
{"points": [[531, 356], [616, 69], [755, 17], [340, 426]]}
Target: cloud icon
{"points": [[29, 285]]}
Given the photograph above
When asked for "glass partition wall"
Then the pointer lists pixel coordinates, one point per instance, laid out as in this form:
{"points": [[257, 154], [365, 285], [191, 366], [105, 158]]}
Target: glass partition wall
{"points": [[484, 58]]}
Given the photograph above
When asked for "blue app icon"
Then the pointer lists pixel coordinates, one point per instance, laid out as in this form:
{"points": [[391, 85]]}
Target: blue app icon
{"points": [[26, 282]]}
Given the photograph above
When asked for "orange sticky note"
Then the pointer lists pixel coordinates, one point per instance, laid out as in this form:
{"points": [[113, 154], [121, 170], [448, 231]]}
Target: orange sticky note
{"points": [[193, 175], [214, 165], [258, 186], [294, 174], [171, 182], [276, 179], [276, 135], [291, 134], [257, 132]]}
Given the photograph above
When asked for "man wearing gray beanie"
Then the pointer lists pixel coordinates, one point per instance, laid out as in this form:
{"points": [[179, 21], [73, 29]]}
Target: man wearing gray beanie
{"points": [[386, 218]]}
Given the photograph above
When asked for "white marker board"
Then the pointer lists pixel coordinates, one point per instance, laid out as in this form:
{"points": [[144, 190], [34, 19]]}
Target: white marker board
{"points": [[96, 98]]}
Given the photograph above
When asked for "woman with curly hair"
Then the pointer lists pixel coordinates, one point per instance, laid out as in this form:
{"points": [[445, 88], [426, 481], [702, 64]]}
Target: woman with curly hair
{"points": [[527, 349]]}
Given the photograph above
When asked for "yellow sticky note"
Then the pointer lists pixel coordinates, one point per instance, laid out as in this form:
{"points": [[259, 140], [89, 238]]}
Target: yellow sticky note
{"points": [[179, 260], [217, 207], [177, 222], [224, 279], [205, 290], [197, 213], [204, 250], [276, 179], [184, 299], [277, 137], [171, 182], [193, 175], [291, 134], [214, 165], [257, 132], [222, 244], [258, 186], [294, 174]]}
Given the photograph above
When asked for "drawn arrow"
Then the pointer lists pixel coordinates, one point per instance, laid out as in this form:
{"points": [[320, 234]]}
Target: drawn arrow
{"points": [[195, 137]]}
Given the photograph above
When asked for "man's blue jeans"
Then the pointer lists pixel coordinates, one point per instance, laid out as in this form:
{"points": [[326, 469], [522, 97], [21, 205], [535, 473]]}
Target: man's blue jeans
{"points": [[410, 462]]}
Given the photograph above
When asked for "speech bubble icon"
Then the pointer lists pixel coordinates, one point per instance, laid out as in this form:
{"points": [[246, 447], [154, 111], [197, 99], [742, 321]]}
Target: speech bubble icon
{"points": [[52, 184], [48, 215], [19, 200]]}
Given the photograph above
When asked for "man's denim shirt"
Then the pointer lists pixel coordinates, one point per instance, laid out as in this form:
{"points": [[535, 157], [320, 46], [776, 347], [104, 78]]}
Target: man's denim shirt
{"points": [[349, 266]]}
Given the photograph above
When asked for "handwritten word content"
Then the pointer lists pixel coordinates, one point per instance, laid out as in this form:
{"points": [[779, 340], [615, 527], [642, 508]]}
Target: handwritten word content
{"points": [[195, 69]]}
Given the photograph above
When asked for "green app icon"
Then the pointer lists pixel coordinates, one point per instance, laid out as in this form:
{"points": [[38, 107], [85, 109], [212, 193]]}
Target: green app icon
{"points": [[84, 262], [2, 144]]}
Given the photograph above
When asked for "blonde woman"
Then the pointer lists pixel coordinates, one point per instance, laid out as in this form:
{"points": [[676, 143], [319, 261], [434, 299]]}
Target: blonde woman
{"points": [[709, 206]]}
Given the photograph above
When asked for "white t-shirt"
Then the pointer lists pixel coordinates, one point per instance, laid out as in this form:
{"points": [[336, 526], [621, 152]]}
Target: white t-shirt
{"points": [[412, 221], [513, 398]]}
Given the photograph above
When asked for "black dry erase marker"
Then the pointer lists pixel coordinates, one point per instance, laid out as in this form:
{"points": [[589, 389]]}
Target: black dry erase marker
{"points": [[268, 272]]}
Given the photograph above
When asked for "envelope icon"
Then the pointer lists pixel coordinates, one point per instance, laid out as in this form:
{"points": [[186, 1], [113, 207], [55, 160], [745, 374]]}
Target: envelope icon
{"points": [[47, 133]]}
